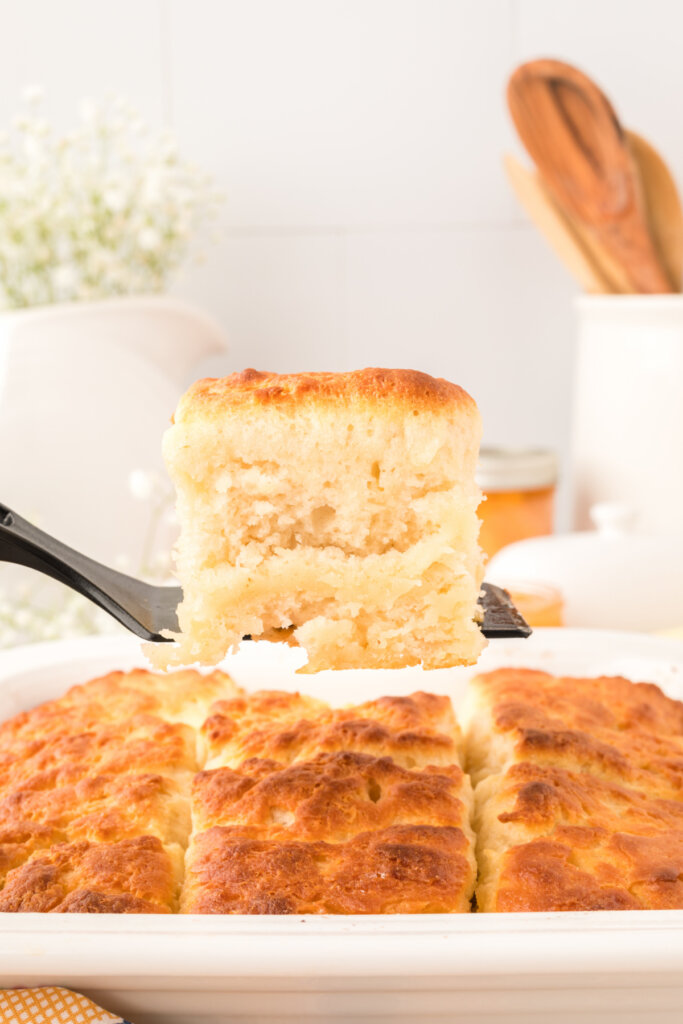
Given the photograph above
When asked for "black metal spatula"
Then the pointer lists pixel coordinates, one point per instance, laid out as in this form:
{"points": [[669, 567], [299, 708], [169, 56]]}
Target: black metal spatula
{"points": [[146, 609]]}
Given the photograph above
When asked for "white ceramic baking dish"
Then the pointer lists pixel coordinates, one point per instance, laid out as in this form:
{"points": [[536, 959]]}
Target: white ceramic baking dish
{"points": [[473, 969]]}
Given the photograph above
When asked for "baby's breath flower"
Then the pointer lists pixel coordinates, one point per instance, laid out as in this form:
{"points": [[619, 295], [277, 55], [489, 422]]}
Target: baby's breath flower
{"points": [[149, 239], [102, 210], [63, 278], [115, 199]]}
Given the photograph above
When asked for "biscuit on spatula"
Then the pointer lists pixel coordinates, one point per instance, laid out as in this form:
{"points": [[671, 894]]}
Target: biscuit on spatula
{"points": [[337, 511]]}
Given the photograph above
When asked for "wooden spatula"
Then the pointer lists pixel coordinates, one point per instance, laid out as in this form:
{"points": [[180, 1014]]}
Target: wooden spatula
{"points": [[662, 206], [555, 226], [574, 136]]}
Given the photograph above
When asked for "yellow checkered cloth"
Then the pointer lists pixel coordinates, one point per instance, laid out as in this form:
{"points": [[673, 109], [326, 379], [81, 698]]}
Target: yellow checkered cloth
{"points": [[51, 1005]]}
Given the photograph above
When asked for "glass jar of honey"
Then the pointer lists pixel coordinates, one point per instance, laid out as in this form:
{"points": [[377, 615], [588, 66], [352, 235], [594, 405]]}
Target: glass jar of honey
{"points": [[519, 495]]}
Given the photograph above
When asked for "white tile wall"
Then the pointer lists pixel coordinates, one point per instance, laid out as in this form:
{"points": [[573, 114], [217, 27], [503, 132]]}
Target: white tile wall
{"points": [[328, 113], [358, 143], [468, 305], [280, 296], [81, 48]]}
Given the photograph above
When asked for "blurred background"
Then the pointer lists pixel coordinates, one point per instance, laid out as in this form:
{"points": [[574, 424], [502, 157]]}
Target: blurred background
{"points": [[367, 218], [355, 212]]}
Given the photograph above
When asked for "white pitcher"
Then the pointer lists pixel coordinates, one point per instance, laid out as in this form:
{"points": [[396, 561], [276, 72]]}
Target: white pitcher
{"points": [[86, 391]]}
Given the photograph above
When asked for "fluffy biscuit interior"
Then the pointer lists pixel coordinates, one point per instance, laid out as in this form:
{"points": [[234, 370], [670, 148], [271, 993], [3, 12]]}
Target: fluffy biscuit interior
{"points": [[349, 529]]}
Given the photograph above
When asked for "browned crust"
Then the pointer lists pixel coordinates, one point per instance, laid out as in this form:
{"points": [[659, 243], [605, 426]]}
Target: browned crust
{"points": [[135, 875], [53, 759], [544, 796], [591, 804], [319, 812], [600, 845], [608, 725], [101, 808], [593, 869], [402, 869], [141, 696], [258, 390], [20, 840], [522, 697], [327, 811], [332, 797], [285, 727]]}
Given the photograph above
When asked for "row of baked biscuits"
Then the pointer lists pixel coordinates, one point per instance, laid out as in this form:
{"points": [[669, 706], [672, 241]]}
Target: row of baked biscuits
{"points": [[289, 806], [300, 809]]}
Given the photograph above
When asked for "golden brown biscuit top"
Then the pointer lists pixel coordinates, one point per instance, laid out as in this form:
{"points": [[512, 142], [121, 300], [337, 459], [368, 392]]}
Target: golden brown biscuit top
{"points": [[117, 697], [587, 814], [180, 696], [609, 725], [326, 811], [286, 727], [524, 697], [401, 869], [144, 744], [539, 797], [131, 876], [94, 793], [102, 808], [257, 390], [591, 868], [20, 840], [332, 797], [309, 809]]}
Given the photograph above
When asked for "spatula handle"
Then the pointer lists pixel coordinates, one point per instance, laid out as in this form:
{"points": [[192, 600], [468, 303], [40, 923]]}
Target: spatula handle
{"points": [[24, 544]]}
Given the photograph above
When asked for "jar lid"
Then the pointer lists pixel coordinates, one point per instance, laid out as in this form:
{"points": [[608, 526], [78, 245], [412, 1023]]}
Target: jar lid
{"points": [[516, 469]]}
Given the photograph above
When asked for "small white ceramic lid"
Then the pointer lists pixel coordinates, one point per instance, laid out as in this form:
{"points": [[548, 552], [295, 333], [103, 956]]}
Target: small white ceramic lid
{"points": [[610, 578]]}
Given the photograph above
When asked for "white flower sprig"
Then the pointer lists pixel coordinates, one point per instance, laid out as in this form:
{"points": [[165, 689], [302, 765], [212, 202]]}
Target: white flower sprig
{"points": [[108, 209], [34, 614]]}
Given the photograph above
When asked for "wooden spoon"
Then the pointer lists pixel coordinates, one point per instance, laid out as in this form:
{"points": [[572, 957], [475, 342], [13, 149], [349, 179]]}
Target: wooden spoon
{"points": [[572, 133], [662, 205], [554, 226], [612, 271]]}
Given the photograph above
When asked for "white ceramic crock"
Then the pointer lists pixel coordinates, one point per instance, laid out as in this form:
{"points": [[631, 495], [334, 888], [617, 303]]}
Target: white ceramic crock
{"points": [[628, 409]]}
